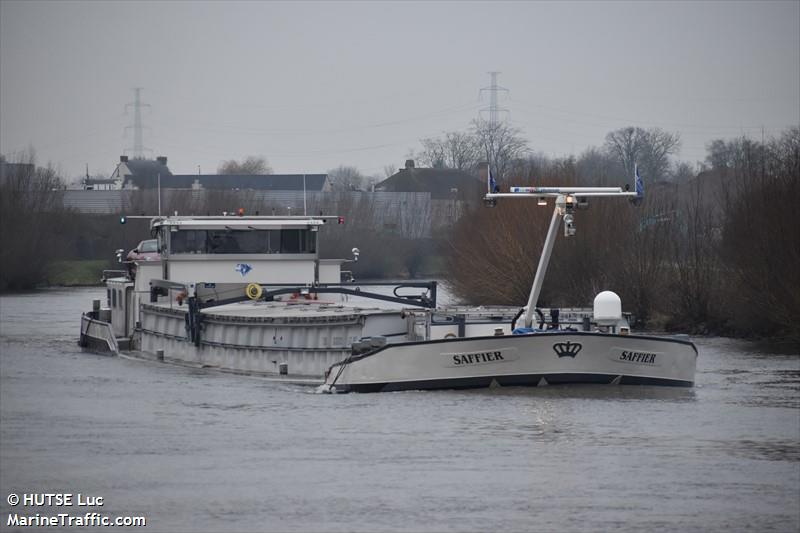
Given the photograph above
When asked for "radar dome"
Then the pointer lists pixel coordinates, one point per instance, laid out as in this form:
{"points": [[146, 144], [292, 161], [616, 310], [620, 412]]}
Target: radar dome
{"points": [[607, 308]]}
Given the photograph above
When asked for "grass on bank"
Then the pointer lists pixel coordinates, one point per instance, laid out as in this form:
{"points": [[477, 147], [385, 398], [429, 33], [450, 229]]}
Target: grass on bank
{"points": [[76, 272]]}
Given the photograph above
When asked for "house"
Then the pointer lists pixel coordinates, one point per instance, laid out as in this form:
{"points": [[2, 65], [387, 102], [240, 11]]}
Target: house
{"points": [[12, 171], [143, 174], [441, 183], [99, 184], [252, 182], [132, 174]]}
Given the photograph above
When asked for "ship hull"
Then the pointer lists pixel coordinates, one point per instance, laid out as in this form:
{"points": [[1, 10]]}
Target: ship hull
{"points": [[97, 336], [519, 360]]}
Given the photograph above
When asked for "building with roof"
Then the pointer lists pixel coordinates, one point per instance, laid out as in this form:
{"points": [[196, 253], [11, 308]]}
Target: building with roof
{"points": [[441, 183], [251, 182], [10, 171], [144, 174], [132, 174]]}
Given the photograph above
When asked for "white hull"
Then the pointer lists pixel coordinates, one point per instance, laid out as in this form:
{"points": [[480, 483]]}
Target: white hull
{"points": [[516, 360], [97, 335]]}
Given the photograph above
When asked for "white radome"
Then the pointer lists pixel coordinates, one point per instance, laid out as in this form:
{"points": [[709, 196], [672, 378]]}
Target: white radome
{"points": [[607, 308]]}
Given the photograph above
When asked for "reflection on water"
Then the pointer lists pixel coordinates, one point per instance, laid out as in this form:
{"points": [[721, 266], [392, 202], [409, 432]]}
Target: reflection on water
{"points": [[197, 450], [595, 392]]}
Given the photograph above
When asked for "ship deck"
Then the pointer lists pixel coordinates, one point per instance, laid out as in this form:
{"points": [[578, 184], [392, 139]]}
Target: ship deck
{"points": [[293, 309]]}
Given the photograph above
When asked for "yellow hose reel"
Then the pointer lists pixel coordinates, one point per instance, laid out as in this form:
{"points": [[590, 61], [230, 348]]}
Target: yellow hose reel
{"points": [[253, 291]]}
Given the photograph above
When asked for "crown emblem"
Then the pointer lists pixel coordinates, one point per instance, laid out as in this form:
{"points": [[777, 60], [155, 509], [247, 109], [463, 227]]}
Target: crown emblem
{"points": [[567, 349]]}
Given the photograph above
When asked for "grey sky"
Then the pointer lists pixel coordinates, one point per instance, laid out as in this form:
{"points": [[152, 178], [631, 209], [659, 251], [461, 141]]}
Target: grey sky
{"points": [[314, 85]]}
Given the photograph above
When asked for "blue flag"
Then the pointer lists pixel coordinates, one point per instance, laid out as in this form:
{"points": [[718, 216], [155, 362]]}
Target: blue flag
{"points": [[638, 183], [490, 183]]}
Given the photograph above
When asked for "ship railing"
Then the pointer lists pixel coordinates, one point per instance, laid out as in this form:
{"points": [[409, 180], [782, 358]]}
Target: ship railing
{"points": [[108, 274]]}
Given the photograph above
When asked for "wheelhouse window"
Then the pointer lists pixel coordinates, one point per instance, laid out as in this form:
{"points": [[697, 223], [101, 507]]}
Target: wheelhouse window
{"points": [[278, 241]]}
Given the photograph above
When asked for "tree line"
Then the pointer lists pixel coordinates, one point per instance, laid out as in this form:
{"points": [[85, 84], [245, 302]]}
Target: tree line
{"points": [[712, 249]]}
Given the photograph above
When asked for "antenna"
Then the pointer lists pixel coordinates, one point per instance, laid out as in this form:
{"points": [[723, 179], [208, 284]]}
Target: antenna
{"points": [[138, 144], [159, 194], [494, 110], [305, 210]]}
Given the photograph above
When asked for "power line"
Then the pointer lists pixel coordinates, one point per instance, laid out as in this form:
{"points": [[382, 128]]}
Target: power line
{"points": [[255, 130]]}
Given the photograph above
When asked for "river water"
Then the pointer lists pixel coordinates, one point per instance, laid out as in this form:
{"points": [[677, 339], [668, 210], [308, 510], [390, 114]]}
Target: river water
{"points": [[194, 450]]}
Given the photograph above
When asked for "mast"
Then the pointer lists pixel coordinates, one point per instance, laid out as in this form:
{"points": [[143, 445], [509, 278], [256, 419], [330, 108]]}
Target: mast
{"points": [[541, 270], [564, 208]]}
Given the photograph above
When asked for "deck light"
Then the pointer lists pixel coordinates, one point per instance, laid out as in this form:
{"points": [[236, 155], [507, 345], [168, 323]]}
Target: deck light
{"points": [[569, 204], [569, 227], [341, 220], [123, 219], [241, 211], [542, 201]]}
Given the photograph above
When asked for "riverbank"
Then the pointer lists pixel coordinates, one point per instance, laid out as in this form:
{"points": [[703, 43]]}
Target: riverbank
{"points": [[88, 273], [76, 273]]}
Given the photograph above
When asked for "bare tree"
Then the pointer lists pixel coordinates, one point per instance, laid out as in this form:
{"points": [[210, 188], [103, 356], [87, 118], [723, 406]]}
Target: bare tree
{"points": [[33, 221], [760, 235], [682, 172], [650, 149], [696, 263], [456, 150], [718, 157], [501, 144], [371, 181], [250, 165], [389, 170], [346, 178], [596, 167]]}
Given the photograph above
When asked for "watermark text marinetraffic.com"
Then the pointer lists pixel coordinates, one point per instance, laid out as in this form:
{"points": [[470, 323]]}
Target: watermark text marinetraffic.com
{"points": [[64, 510]]}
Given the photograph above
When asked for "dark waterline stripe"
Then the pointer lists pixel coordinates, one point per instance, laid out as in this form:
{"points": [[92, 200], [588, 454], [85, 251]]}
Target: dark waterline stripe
{"points": [[525, 380]]}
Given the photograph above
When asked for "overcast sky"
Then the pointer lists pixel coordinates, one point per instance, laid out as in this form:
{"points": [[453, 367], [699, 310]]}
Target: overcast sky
{"points": [[313, 85]]}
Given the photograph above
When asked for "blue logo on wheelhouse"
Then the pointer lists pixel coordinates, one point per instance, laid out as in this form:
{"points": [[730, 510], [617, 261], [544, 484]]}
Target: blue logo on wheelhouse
{"points": [[243, 268]]}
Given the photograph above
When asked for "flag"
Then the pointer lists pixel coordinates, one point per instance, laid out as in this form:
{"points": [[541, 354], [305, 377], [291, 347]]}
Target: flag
{"points": [[491, 184], [638, 184]]}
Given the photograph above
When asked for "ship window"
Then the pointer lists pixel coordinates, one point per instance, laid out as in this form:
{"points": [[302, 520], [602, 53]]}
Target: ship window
{"points": [[286, 241], [188, 242], [311, 241], [113, 298], [150, 245], [298, 241], [290, 241], [108, 297]]}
